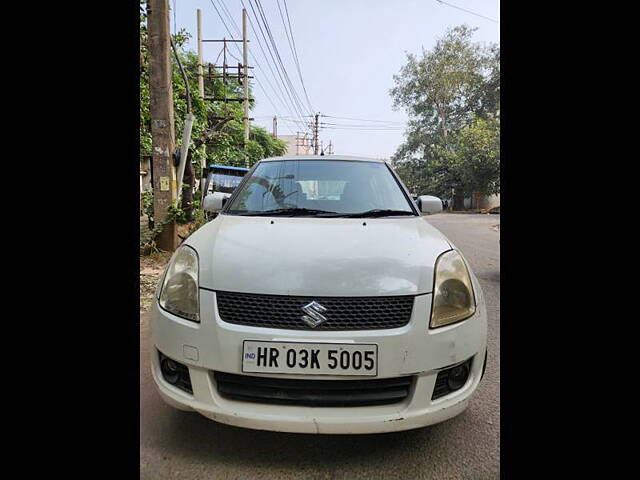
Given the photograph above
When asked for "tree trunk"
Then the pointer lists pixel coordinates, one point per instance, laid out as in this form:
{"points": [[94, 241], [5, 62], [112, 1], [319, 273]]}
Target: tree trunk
{"points": [[476, 200], [458, 200], [443, 121]]}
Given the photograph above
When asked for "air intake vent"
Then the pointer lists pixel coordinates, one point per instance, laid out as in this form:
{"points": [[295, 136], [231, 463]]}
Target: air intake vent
{"points": [[313, 393]]}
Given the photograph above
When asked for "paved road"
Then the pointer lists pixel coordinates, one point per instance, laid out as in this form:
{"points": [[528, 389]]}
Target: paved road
{"points": [[176, 444]]}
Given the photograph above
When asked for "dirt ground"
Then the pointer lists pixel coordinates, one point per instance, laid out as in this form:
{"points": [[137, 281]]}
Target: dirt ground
{"points": [[151, 267]]}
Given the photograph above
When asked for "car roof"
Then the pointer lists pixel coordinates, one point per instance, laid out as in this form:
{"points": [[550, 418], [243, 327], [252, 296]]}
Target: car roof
{"points": [[323, 158], [229, 167]]}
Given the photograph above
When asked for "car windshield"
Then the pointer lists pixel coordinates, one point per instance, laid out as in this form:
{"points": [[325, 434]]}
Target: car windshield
{"points": [[321, 188]]}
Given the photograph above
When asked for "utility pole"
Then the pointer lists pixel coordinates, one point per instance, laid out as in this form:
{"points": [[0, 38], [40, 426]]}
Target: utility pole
{"points": [[242, 76], [203, 163], [315, 134], [245, 60], [162, 133], [275, 127], [302, 141], [200, 72]]}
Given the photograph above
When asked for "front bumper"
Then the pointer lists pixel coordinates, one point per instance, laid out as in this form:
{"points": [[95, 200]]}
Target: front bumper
{"points": [[214, 345]]}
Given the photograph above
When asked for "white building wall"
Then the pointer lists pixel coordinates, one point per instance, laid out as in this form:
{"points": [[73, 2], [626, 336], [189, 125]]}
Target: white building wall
{"points": [[296, 145]]}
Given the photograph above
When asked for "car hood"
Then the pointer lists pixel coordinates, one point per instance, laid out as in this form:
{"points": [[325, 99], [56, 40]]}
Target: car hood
{"points": [[310, 256]]}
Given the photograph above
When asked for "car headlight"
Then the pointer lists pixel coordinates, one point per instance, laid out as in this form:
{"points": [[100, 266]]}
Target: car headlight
{"points": [[453, 298], [179, 291]]}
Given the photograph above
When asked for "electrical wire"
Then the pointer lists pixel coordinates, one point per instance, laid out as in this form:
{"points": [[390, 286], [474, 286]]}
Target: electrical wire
{"points": [[296, 107], [364, 119], [223, 6], [294, 50], [238, 48], [468, 11], [291, 108], [277, 54]]}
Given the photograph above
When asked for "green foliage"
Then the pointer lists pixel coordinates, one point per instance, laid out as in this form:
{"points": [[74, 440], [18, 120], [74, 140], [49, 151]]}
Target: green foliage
{"points": [[452, 94], [217, 145], [213, 140], [147, 203], [475, 156], [176, 214]]}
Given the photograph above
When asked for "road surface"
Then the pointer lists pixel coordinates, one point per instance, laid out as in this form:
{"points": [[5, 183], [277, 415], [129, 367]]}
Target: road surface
{"points": [[184, 445]]}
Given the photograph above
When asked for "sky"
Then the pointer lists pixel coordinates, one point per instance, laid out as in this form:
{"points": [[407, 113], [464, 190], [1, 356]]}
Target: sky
{"points": [[348, 52]]}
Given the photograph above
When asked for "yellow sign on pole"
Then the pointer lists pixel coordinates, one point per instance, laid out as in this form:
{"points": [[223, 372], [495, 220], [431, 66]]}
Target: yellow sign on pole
{"points": [[164, 184]]}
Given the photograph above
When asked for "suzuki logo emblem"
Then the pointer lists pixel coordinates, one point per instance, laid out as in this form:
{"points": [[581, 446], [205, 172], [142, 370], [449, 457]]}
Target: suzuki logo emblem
{"points": [[314, 315]]}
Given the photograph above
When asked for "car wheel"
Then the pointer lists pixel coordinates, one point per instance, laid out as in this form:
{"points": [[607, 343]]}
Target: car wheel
{"points": [[484, 367]]}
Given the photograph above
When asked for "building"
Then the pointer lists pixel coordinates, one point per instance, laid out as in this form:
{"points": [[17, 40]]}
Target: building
{"points": [[298, 144], [479, 202]]}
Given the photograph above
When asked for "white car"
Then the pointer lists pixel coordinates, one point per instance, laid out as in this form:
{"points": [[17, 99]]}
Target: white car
{"points": [[319, 300]]}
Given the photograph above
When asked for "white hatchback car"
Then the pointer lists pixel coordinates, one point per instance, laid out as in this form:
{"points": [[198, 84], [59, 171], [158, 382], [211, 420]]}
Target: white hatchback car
{"points": [[319, 300]]}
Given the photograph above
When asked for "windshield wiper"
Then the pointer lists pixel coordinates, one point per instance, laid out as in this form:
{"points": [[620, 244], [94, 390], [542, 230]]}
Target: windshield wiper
{"points": [[285, 212], [378, 212]]}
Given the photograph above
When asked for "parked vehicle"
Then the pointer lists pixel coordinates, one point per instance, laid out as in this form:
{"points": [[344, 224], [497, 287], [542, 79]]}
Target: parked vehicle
{"points": [[224, 178], [319, 300]]}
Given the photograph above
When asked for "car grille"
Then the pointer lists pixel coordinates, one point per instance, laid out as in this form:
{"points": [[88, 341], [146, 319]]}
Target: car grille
{"points": [[313, 393], [342, 313]]}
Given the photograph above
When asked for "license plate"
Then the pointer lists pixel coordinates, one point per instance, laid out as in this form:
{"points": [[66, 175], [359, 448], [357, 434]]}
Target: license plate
{"points": [[310, 358]]}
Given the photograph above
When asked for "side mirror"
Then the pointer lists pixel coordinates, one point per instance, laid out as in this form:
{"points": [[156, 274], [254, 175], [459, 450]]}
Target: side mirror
{"points": [[428, 204], [215, 201]]}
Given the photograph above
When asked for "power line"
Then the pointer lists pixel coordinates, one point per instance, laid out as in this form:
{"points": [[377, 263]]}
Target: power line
{"points": [[234, 57], [289, 89], [364, 119], [294, 50], [372, 129], [295, 111], [277, 54], [366, 127], [229, 16], [301, 121], [468, 11], [238, 48], [354, 125], [277, 60]]}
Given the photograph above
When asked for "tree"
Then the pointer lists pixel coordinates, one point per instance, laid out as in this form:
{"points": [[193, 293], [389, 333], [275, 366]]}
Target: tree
{"points": [[452, 86], [213, 140], [473, 159]]}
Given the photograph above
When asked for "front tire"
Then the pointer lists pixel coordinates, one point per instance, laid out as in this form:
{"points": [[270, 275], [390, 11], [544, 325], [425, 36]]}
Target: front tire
{"points": [[484, 367]]}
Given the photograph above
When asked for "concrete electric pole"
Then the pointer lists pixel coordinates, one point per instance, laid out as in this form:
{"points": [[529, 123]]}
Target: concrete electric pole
{"points": [[242, 75], [245, 60], [315, 134], [200, 72], [275, 127], [162, 129]]}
